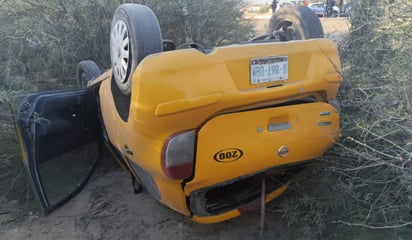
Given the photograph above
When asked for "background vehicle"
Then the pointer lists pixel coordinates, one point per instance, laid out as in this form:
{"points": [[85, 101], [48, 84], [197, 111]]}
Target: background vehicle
{"points": [[283, 3], [319, 9], [209, 133], [346, 11]]}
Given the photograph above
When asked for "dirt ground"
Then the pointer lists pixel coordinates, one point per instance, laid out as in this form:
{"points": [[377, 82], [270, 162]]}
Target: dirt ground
{"points": [[107, 208]]}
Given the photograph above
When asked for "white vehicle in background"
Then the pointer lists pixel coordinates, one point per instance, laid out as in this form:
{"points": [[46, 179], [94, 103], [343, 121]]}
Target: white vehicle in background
{"points": [[283, 3]]}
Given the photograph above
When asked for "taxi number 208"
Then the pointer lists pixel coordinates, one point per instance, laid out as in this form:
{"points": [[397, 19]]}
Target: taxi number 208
{"points": [[228, 155]]}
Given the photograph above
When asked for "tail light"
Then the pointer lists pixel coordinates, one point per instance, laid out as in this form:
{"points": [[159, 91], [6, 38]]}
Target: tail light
{"points": [[178, 155]]}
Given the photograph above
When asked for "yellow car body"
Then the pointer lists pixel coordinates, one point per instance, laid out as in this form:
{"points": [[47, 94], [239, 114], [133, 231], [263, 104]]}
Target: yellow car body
{"points": [[242, 130], [210, 134]]}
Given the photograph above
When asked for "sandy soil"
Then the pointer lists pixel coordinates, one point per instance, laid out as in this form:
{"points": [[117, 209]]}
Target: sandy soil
{"points": [[107, 208]]}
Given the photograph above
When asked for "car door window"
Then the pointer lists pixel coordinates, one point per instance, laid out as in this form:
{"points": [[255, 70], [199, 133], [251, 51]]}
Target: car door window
{"points": [[59, 134]]}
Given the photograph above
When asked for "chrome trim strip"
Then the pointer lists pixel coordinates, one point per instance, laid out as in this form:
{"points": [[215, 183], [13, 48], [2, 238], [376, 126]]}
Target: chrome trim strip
{"points": [[326, 113], [324, 123], [278, 127]]}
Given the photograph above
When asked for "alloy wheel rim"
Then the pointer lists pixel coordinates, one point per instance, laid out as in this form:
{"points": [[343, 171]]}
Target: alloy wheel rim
{"points": [[120, 51]]}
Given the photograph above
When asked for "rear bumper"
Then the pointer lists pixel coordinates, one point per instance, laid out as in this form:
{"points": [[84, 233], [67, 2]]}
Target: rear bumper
{"points": [[233, 198]]}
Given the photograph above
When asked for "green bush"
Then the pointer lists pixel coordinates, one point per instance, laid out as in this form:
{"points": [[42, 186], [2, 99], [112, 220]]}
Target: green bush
{"points": [[43, 41], [362, 189], [377, 116]]}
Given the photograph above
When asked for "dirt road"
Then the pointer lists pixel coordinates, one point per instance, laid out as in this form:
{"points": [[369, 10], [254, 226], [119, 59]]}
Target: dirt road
{"points": [[108, 209]]}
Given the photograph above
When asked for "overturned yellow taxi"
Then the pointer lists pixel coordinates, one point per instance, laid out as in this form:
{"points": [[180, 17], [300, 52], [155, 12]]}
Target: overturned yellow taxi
{"points": [[197, 129]]}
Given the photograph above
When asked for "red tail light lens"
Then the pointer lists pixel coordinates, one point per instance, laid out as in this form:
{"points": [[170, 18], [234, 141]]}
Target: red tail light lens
{"points": [[178, 155]]}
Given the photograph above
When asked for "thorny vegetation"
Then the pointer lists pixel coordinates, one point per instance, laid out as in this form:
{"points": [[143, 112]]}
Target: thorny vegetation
{"points": [[41, 42], [364, 184]]}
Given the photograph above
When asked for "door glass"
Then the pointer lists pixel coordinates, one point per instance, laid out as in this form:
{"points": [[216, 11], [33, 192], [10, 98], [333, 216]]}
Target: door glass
{"points": [[60, 138], [62, 175]]}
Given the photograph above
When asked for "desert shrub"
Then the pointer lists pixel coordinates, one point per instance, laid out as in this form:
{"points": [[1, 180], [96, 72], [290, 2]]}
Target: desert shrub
{"points": [[377, 116], [42, 41], [264, 9], [362, 188]]}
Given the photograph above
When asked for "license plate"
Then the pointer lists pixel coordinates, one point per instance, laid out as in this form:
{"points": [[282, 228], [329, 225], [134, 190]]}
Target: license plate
{"points": [[269, 69]]}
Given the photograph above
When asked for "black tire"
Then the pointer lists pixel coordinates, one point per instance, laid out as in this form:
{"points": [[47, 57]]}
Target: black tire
{"points": [[135, 33], [295, 23], [86, 71], [335, 14]]}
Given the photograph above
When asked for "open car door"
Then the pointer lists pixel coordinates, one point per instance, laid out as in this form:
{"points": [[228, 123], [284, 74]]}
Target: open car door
{"points": [[60, 142]]}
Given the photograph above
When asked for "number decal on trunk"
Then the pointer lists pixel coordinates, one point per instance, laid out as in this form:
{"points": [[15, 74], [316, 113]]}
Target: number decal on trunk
{"points": [[228, 155]]}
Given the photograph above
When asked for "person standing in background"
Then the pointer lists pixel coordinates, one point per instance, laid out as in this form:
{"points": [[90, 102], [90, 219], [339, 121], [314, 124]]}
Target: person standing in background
{"points": [[329, 7], [274, 5], [305, 3]]}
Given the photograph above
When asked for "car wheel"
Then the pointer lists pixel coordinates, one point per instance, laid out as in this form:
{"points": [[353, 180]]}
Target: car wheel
{"points": [[295, 23], [335, 14], [135, 34], [86, 71]]}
